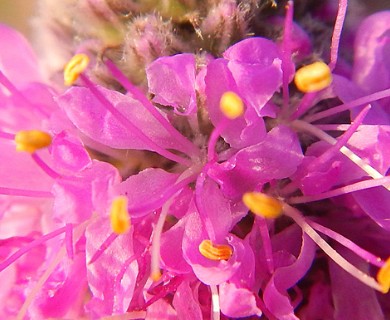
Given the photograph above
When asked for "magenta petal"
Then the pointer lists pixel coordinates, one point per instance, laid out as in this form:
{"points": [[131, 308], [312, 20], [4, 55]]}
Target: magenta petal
{"points": [[372, 53], [209, 271], [68, 153], [373, 201], [78, 198], [351, 298], [237, 302], [94, 120], [172, 81], [277, 157], [112, 277], [185, 304], [171, 249], [275, 294], [156, 182]]}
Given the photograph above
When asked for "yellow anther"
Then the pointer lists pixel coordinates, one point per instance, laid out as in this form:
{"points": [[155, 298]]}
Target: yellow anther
{"points": [[383, 276], [155, 276], [313, 77], [75, 67], [263, 205], [215, 251], [119, 216], [32, 140], [231, 105]]}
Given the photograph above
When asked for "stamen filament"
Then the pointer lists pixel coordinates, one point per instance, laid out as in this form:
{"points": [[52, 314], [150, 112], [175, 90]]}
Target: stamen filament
{"points": [[286, 53], [215, 305], [267, 245], [33, 244], [349, 105], [338, 27], [127, 123], [333, 254], [155, 273], [188, 146], [49, 171], [69, 240], [25, 193], [15, 92], [111, 238], [361, 185], [6, 135], [368, 256], [304, 126]]}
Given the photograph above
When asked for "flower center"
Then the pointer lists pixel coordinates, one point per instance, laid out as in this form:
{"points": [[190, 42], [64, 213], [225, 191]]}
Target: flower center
{"points": [[215, 251]]}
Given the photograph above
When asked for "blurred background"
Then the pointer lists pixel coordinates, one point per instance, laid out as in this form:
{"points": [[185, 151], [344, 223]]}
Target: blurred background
{"points": [[17, 13]]}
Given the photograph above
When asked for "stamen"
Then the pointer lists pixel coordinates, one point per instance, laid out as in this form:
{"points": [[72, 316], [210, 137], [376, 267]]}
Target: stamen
{"points": [[215, 252], [313, 77], [267, 245], [338, 27], [366, 255], [103, 247], [231, 105], [20, 96], [333, 254], [25, 193], [383, 276], [304, 126], [74, 68], [361, 185], [263, 205], [215, 305], [49, 171], [33, 244], [286, 54], [119, 215], [32, 140], [349, 105], [69, 240], [155, 273], [79, 231]]}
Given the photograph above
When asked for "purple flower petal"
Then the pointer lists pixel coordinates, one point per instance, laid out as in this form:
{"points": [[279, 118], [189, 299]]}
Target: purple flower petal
{"points": [[172, 81]]}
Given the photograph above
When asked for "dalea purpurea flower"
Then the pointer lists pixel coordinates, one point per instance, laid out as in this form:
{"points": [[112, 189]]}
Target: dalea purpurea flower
{"points": [[246, 180]]}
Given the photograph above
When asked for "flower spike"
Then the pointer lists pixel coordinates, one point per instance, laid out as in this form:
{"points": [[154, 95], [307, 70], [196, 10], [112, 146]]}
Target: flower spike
{"points": [[383, 276], [231, 105], [215, 252], [32, 140], [313, 77], [262, 205], [74, 68], [119, 216]]}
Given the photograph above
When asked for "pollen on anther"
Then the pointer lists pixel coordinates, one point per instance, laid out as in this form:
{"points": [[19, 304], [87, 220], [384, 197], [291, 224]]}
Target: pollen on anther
{"points": [[32, 140], [74, 68], [263, 205], [383, 276], [119, 215], [231, 105], [215, 251], [313, 77]]}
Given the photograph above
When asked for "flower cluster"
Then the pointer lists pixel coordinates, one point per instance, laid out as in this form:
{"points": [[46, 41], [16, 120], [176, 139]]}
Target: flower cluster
{"points": [[249, 181]]}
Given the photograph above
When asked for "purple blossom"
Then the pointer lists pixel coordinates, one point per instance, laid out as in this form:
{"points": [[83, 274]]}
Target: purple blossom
{"points": [[274, 205]]}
